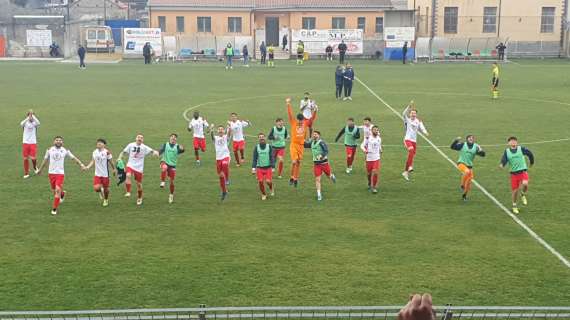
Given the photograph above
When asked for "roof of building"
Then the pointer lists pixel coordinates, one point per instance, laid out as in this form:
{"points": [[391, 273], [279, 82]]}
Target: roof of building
{"points": [[274, 4]]}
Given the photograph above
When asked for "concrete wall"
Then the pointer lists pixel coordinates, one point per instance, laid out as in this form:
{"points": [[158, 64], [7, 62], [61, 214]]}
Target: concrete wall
{"points": [[519, 21]]}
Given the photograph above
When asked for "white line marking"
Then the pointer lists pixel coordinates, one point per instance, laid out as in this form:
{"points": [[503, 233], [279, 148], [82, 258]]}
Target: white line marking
{"points": [[478, 185]]}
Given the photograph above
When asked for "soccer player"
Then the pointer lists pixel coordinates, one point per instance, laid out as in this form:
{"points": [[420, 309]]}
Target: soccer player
{"points": [[197, 125], [320, 151], [467, 152], [278, 136], [412, 124], [136, 151], [309, 110], [271, 52], [29, 142], [221, 140], [299, 130], [300, 52], [262, 165], [366, 127], [514, 157], [495, 81], [56, 157], [372, 147], [238, 140], [102, 159], [169, 152], [351, 134]]}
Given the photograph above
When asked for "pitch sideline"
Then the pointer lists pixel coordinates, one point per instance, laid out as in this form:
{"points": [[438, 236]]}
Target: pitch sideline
{"points": [[478, 185]]}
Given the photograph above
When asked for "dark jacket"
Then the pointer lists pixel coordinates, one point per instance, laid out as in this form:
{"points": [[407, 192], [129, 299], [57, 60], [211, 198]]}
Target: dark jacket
{"points": [[329, 49], [81, 52], [263, 49], [146, 50], [348, 76], [244, 51], [342, 47], [284, 41], [339, 76]]}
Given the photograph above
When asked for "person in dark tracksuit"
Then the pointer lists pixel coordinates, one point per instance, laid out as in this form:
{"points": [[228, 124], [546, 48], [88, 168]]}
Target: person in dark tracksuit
{"points": [[81, 54], [263, 52], [147, 53], [339, 78], [404, 52], [347, 83], [342, 51]]}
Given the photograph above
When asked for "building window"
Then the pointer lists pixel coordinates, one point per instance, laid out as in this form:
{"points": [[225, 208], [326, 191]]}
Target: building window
{"points": [[450, 19], [338, 22], [179, 24], [309, 23], [489, 19], [379, 24], [361, 23], [204, 24], [162, 23], [547, 20], [234, 24]]}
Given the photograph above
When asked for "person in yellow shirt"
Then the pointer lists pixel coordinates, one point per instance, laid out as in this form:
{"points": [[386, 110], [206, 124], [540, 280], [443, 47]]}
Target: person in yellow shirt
{"points": [[299, 131], [495, 81]]}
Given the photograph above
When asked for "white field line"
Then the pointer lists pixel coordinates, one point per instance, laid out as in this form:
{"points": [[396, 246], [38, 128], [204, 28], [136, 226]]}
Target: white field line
{"points": [[533, 234]]}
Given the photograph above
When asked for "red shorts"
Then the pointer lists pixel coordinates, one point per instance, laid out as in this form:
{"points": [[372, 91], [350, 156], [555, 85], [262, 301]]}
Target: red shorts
{"points": [[239, 145], [517, 179], [138, 175], [222, 163], [56, 180], [264, 174], [308, 123], [104, 181], [171, 171], [350, 151], [372, 165], [321, 168], [29, 150], [200, 144], [278, 152], [410, 144]]}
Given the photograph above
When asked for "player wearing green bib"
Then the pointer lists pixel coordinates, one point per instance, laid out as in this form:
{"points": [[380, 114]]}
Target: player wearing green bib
{"points": [[467, 152], [262, 165], [351, 135], [514, 156], [320, 151], [169, 153], [278, 136]]}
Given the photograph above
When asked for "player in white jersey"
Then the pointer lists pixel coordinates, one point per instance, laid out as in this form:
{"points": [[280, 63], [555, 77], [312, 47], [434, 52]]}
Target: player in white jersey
{"points": [[102, 159], [238, 140], [29, 142], [309, 109], [221, 141], [412, 124], [198, 125], [55, 156], [366, 127], [137, 151], [372, 147]]}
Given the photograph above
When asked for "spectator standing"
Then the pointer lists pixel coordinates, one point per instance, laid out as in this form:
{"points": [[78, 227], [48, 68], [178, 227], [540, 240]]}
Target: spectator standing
{"points": [[245, 54], [347, 83], [342, 51], [329, 51], [147, 52], [81, 54], [339, 78], [229, 52], [285, 42], [404, 52], [54, 50], [263, 52], [501, 50]]}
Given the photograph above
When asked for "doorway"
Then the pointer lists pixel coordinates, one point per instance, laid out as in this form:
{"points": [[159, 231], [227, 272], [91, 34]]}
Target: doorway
{"points": [[272, 31]]}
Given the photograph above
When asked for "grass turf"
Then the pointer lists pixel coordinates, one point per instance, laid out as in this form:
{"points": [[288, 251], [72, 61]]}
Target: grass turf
{"points": [[352, 249]]}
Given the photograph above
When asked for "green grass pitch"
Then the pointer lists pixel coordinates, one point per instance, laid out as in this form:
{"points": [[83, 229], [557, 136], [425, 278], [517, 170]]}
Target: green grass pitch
{"points": [[354, 248]]}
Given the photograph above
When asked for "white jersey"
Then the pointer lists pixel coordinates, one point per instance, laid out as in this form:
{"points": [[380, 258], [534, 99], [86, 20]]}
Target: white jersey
{"points": [[137, 153], [198, 126], [237, 129], [308, 107], [56, 158], [221, 146], [30, 130], [412, 128], [101, 159], [366, 130], [373, 148]]}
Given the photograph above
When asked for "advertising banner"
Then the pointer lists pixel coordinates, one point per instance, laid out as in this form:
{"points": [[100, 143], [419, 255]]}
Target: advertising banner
{"points": [[317, 40], [38, 38], [135, 39]]}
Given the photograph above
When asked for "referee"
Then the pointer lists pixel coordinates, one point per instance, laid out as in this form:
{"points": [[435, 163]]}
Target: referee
{"points": [[495, 81]]}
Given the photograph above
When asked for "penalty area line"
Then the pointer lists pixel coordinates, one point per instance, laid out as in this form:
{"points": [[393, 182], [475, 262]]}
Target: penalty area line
{"points": [[533, 234]]}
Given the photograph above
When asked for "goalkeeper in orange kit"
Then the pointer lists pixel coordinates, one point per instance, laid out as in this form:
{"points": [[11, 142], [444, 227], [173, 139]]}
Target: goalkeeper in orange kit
{"points": [[299, 131]]}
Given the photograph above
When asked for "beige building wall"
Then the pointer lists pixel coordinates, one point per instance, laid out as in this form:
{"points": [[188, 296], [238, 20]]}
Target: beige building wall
{"points": [[520, 19], [219, 21]]}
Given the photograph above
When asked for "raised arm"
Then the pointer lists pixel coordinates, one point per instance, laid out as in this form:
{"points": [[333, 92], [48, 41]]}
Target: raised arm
{"points": [[480, 151], [456, 144], [289, 110], [340, 133], [406, 112]]}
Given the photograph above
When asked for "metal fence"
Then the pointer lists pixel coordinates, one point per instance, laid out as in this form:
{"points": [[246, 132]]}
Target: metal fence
{"points": [[352, 312]]}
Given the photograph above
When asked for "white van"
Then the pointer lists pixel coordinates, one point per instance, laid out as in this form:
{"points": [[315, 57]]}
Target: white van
{"points": [[97, 39]]}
